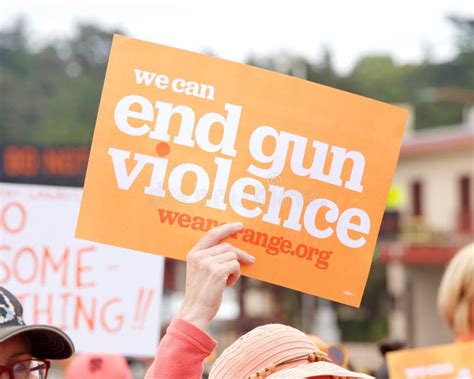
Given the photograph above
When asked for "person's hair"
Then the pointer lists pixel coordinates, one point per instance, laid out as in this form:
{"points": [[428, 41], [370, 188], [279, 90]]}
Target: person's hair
{"points": [[456, 292]]}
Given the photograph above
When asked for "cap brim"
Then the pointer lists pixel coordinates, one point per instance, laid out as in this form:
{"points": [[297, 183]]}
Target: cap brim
{"points": [[47, 342], [316, 369]]}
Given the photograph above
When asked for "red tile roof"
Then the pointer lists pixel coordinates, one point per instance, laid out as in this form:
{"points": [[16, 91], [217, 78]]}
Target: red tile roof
{"points": [[417, 254], [437, 140]]}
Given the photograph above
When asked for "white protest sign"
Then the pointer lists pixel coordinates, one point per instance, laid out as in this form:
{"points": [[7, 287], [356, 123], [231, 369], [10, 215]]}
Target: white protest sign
{"points": [[105, 298]]}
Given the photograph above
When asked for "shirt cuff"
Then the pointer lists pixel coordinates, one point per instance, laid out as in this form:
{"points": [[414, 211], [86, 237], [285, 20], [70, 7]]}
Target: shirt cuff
{"points": [[200, 337]]}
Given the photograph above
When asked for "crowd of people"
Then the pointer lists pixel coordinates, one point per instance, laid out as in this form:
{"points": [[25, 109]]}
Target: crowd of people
{"points": [[268, 351]]}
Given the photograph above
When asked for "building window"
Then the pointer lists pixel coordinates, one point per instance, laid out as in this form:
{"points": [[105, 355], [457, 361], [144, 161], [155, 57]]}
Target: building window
{"points": [[465, 203], [465, 186], [416, 195]]}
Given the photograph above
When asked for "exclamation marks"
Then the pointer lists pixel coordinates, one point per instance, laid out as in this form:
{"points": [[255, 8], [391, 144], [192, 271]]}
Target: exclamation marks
{"points": [[144, 300]]}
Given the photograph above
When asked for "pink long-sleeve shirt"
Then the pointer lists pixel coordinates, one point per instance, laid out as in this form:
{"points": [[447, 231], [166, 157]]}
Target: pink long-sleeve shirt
{"points": [[181, 352]]}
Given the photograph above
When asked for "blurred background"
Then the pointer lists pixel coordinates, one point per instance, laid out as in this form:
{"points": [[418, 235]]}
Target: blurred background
{"points": [[419, 55]]}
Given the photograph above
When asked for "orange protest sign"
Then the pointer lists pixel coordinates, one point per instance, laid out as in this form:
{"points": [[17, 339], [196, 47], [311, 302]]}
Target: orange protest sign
{"points": [[184, 142], [454, 361]]}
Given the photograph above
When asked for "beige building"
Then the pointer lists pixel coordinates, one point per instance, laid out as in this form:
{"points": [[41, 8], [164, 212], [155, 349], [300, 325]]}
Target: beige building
{"points": [[432, 219]]}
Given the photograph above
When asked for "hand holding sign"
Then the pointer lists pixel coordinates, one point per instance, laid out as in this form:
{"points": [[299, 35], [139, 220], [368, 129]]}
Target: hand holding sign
{"points": [[211, 265]]}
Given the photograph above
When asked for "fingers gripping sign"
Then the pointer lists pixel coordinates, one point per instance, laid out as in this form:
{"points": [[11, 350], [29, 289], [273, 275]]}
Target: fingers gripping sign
{"points": [[211, 265]]}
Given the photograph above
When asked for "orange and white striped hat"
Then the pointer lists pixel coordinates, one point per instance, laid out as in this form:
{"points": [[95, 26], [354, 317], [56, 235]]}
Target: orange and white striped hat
{"points": [[276, 351]]}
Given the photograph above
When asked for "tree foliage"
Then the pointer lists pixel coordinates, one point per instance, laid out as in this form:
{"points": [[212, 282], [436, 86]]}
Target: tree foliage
{"points": [[50, 94]]}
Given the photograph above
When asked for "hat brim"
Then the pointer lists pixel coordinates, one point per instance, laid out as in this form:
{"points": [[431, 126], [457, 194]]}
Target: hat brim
{"points": [[316, 369], [47, 342]]}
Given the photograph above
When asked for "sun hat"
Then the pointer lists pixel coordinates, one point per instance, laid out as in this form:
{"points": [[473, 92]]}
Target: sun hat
{"points": [[276, 351], [98, 366], [47, 342]]}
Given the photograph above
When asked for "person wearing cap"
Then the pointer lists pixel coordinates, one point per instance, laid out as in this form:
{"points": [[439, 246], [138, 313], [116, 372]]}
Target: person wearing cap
{"points": [[456, 294], [271, 351], [98, 366], [25, 350]]}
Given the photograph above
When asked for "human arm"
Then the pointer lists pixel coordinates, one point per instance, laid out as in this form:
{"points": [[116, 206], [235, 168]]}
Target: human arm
{"points": [[211, 265], [181, 352]]}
